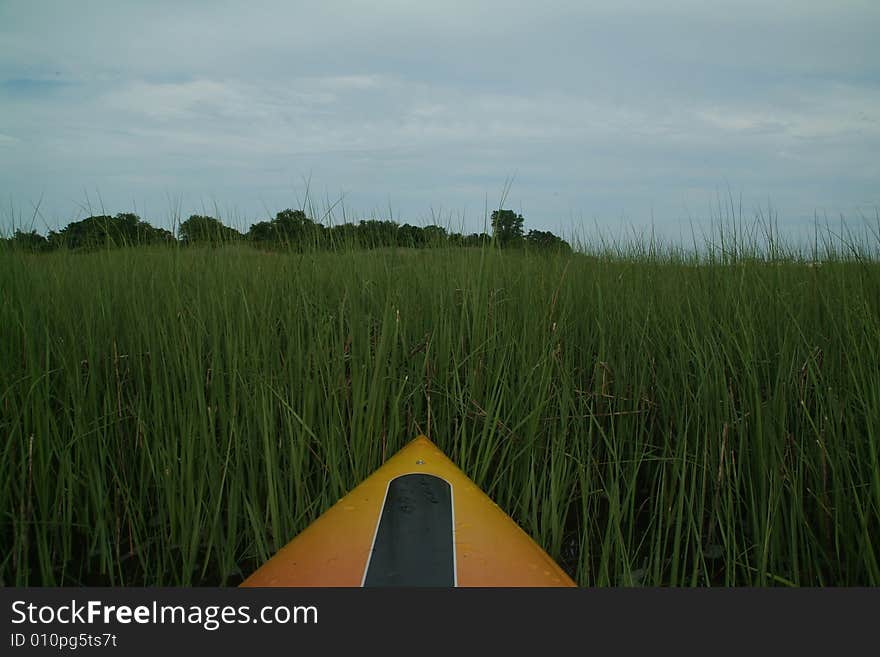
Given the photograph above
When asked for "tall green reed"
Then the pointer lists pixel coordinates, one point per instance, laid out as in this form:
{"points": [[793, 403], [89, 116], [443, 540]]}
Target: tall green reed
{"points": [[650, 416]]}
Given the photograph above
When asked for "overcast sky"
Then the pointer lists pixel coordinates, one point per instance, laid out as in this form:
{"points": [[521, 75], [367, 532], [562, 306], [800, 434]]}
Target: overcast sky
{"points": [[605, 113]]}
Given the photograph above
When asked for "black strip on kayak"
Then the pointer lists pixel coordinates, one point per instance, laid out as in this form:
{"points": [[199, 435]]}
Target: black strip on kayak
{"points": [[414, 543]]}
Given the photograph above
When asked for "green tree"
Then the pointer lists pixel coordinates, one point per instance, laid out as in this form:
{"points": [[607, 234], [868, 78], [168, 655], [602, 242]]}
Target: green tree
{"points": [[31, 241], [545, 240], [343, 236], [507, 227], [475, 240], [410, 236], [200, 229], [435, 235], [375, 233], [125, 229], [262, 232], [289, 228]]}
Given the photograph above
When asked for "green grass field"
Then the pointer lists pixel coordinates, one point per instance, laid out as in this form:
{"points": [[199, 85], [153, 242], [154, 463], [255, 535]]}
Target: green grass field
{"points": [[173, 416]]}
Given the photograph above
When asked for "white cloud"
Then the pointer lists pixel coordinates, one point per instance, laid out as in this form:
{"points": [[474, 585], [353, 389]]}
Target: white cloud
{"points": [[599, 107], [350, 82], [171, 101]]}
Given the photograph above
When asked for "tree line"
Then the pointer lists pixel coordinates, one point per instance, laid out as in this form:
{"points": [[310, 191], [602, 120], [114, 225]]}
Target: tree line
{"points": [[290, 229]]}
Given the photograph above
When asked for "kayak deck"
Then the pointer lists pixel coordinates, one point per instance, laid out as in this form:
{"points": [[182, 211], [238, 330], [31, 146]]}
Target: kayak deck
{"points": [[417, 521]]}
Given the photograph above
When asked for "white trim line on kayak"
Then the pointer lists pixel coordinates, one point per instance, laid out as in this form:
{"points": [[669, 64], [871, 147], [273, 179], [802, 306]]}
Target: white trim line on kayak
{"points": [[454, 550], [376, 532]]}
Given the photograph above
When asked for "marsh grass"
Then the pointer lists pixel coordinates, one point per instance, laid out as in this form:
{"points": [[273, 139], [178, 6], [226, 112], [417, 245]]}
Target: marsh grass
{"points": [[173, 416]]}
